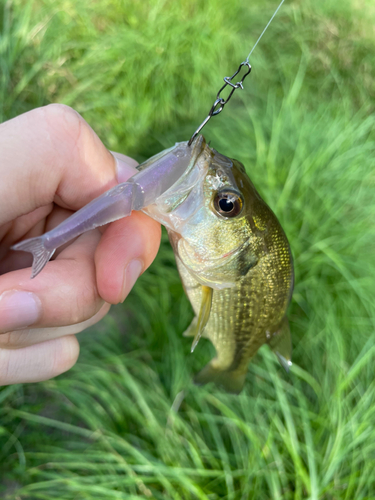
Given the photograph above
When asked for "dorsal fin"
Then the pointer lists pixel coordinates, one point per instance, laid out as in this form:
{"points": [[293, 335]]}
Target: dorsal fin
{"points": [[204, 314]]}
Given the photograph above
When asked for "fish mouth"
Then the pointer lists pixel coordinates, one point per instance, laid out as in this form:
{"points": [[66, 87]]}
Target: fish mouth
{"points": [[182, 200]]}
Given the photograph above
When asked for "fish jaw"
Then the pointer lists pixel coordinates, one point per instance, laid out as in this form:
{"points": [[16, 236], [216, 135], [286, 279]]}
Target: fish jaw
{"points": [[177, 205]]}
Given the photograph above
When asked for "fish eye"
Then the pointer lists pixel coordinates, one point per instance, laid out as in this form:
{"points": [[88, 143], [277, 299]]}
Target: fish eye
{"points": [[228, 203]]}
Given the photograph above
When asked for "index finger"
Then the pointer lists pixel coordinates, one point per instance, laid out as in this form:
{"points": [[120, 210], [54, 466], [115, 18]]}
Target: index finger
{"points": [[51, 154]]}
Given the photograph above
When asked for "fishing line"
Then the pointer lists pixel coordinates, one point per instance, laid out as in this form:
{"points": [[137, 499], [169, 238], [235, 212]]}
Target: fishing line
{"points": [[220, 102], [265, 29]]}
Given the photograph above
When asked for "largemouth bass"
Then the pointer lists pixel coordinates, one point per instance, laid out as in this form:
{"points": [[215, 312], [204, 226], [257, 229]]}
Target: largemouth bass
{"points": [[231, 252], [235, 265]]}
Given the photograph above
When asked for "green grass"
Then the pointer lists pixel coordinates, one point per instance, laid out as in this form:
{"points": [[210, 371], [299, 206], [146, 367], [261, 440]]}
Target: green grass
{"points": [[144, 74]]}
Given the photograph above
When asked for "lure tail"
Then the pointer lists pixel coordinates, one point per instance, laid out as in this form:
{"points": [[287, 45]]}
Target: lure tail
{"points": [[232, 381], [40, 254]]}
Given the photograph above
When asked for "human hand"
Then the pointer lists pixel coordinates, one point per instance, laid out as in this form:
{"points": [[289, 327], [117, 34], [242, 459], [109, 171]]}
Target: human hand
{"points": [[51, 164]]}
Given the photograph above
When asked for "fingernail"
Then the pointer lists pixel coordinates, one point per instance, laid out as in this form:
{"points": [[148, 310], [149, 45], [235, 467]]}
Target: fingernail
{"points": [[131, 274], [18, 310], [125, 167]]}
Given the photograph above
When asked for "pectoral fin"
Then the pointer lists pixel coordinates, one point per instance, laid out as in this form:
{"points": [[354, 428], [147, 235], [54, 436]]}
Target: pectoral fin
{"points": [[281, 344], [191, 329], [203, 315]]}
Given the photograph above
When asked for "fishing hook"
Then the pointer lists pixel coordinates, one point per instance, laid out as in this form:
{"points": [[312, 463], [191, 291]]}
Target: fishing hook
{"points": [[219, 103]]}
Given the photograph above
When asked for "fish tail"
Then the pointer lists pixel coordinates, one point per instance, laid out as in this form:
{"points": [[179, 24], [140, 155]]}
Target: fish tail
{"points": [[231, 380], [40, 254]]}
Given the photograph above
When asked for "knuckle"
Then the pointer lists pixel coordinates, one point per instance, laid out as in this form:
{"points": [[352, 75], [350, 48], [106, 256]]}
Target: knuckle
{"points": [[61, 111], [81, 154], [6, 340], [87, 300], [65, 122], [4, 367]]}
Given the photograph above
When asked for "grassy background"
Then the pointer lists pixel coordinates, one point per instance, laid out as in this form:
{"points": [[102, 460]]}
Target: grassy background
{"points": [[144, 74]]}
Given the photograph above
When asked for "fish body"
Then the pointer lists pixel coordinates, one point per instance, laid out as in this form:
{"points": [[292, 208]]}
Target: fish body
{"points": [[242, 255], [231, 252]]}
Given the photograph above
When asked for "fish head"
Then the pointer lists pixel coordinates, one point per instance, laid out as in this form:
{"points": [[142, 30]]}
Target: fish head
{"points": [[209, 215]]}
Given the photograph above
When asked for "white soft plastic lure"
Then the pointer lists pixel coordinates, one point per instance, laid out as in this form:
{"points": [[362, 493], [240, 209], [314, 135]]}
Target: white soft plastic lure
{"points": [[156, 176]]}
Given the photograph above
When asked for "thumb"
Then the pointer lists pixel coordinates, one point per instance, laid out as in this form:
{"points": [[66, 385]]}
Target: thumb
{"points": [[49, 155]]}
